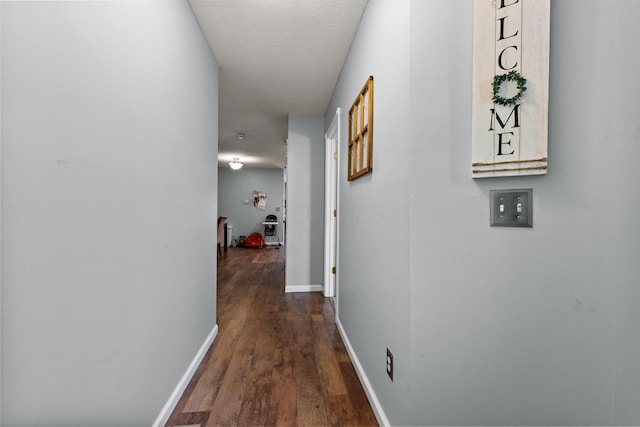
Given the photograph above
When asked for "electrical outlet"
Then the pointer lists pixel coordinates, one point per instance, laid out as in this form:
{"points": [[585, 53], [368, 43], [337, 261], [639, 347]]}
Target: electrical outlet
{"points": [[390, 364]]}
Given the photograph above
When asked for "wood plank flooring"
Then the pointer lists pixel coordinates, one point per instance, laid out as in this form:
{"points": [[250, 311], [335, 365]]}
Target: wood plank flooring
{"points": [[278, 359]]}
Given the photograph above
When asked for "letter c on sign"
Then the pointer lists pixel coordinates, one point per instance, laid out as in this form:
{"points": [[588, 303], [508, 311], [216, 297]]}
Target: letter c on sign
{"points": [[500, 58]]}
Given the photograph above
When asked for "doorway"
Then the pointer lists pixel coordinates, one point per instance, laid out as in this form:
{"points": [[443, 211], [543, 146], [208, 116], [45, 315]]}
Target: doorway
{"points": [[332, 161]]}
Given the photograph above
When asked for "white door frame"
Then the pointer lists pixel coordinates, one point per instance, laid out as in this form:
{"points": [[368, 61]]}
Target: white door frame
{"points": [[284, 202], [0, 217], [332, 168]]}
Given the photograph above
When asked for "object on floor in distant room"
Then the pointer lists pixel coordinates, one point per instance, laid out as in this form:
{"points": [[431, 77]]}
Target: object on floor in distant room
{"points": [[222, 222], [254, 240], [271, 230]]}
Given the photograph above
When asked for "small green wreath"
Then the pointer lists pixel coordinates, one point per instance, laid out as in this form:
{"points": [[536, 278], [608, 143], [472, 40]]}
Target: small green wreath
{"points": [[512, 76]]}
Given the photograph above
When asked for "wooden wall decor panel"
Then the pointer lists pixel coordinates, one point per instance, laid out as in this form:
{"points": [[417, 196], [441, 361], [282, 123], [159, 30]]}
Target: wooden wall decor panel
{"points": [[511, 43], [360, 147]]}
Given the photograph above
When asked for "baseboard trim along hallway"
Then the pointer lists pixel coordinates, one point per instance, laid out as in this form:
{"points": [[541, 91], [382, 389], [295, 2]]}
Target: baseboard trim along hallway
{"points": [[303, 288], [364, 380], [168, 408]]}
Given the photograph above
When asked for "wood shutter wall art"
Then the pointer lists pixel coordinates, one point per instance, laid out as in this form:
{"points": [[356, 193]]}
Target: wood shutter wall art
{"points": [[360, 147]]}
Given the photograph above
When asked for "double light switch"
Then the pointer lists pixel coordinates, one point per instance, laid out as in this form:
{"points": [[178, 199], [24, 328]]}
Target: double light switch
{"points": [[511, 208]]}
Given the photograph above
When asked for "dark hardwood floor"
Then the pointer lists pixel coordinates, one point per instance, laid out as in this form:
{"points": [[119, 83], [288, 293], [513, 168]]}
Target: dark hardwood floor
{"points": [[278, 358]]}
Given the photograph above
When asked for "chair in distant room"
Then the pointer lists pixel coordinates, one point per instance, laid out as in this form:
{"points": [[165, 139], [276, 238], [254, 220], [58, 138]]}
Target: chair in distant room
{"points": [[222, 222], [271, 230]]}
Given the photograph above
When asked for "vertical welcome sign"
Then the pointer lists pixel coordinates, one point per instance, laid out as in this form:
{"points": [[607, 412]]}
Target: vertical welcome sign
{"points": [[510, 87]]}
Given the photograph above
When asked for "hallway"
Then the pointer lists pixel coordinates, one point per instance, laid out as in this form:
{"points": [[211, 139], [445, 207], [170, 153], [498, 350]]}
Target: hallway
{"points": [[278, 358]]}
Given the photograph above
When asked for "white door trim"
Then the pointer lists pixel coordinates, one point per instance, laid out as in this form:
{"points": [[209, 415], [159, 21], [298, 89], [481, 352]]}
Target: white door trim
{"points": [[332, 161], [0, 215]]}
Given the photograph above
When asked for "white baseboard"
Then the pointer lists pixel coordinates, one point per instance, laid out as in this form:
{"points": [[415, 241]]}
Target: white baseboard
{"points": [[184, 381], [368, 389], [303, 288]]}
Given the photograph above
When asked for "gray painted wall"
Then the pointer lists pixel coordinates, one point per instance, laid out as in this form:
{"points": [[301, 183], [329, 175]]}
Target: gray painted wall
{"points": [[505, 326], [305, 201], [373, 217], [109, 208], [235, 186]]}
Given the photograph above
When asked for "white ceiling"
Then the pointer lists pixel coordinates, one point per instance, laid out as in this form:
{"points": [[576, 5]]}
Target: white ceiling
{"points": [[276, 57]]}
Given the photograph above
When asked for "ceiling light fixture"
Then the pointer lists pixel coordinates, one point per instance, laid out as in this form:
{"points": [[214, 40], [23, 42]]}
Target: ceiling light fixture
{"points": [[235, 164]]}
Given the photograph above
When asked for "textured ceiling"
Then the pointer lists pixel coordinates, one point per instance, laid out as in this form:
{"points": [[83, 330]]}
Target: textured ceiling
{"points": [[276, 57]]}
